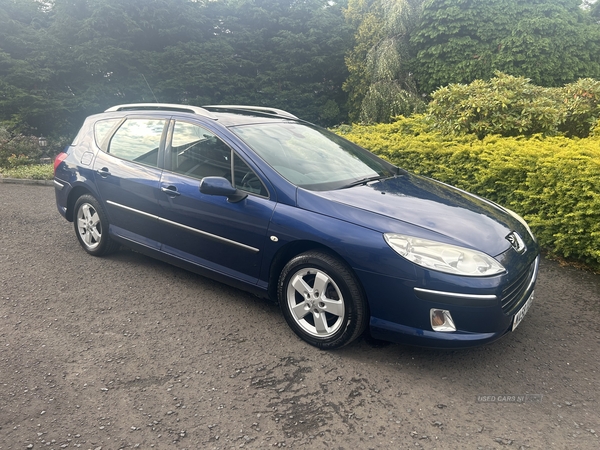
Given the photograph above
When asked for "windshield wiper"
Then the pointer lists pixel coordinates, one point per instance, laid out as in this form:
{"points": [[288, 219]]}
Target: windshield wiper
{"points": [[365, 181]]}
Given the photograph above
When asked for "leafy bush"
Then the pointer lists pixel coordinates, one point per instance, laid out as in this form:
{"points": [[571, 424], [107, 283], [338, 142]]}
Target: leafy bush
{"points": [[581, 103], [552, 182], [16, 150], [30, 172], [512, 106]]}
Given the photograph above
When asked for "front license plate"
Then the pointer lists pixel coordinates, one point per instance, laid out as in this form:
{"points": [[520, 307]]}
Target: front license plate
{"points": [[519, 316]]}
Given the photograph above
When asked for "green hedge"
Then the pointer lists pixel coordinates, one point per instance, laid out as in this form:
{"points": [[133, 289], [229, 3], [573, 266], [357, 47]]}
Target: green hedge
{"points": [[30, 171], [553, 182]]}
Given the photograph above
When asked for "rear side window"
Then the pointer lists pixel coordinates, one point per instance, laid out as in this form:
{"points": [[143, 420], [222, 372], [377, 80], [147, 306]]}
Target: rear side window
{"points": [[138, 140], [101, 129]]}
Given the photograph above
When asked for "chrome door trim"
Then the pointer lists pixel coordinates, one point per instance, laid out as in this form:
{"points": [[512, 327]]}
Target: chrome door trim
{"points": [[185, 227]]}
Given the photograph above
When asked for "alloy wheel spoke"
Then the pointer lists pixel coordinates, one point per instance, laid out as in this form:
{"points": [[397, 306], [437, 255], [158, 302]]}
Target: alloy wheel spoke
{"points": [[300, 310], [320, 323], [320, 284], [95, 234], [95, 219], [335, 307], [87, 238], [86, 212], [300, 285], [81, 222]]}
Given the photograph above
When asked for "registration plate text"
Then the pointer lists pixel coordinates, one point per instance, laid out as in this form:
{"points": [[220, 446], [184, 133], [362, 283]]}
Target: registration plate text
{"points": [[519, 316]]}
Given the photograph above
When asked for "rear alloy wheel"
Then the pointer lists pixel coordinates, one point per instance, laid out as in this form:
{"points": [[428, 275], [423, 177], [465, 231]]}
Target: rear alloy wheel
{"points": [[321, 300], [91, 227]]}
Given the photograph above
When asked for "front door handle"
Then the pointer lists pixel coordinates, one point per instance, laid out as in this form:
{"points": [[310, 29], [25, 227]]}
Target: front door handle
{"points": [[170, 190]]}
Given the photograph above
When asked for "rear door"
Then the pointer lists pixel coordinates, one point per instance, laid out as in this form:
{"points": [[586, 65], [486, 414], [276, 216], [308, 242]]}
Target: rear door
{"points": [[205, 229], [127, 176]]}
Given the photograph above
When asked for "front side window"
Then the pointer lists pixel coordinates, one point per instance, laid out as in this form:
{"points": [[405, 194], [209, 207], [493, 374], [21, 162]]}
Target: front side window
{"points": [[198, 153], [138, 140], [245, 178]]}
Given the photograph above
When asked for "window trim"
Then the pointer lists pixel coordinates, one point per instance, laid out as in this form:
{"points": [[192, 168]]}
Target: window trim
{"points": [[168, 148], [105, 145]]}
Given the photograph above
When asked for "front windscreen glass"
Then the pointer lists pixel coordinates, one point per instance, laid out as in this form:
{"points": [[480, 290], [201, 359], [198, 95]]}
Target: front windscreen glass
{"points": [[311, 157]]}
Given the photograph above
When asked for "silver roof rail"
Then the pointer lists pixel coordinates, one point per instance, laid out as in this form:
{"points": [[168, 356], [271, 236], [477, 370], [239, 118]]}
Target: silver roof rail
{"points": [[162, 107], [263, 109]]}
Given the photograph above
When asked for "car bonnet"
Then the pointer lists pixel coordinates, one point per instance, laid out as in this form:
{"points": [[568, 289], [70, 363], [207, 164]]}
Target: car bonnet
{"points": [[420, 207]]}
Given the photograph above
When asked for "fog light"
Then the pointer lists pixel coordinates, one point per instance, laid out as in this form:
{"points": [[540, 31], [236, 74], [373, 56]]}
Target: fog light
{"points": [[441, 320]]}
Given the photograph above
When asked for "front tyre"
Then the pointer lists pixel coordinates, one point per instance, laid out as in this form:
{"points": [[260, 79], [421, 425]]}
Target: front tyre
{"points": [[321, 300], [91, 227]]}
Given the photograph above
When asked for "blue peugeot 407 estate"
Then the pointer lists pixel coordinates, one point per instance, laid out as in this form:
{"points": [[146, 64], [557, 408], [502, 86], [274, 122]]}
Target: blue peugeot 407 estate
{"points": [[343, 240]]}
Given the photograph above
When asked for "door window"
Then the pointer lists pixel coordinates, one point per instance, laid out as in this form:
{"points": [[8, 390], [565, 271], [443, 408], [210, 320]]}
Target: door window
{"points": [[101, 129], [198, 153], [245, 178], [138, 140]]}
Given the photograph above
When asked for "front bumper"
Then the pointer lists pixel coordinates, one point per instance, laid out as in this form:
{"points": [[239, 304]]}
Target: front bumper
{"points": [[481, 316], [402, 334]]}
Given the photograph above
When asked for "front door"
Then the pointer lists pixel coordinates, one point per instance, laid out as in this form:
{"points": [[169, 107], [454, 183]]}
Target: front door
{"points": [[205, 229]]}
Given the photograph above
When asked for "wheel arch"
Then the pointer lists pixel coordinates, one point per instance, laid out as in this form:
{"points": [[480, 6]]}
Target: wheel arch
{"points": [[295, 248], [75, 193]]}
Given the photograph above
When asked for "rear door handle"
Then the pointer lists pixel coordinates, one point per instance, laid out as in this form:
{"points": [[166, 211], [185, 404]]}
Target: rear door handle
{"points": [[104, 172], [170, 190]]}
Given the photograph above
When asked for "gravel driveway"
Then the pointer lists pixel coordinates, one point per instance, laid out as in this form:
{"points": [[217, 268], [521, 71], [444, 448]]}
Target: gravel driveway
{"points": [[128, 352]]}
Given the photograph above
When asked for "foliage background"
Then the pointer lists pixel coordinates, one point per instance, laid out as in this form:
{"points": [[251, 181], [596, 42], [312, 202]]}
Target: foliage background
{"points": [[553, 42], [326, 61], [62, 60], [504, 94]]}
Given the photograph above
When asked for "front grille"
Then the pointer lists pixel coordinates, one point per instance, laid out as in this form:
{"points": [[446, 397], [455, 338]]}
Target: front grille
{"points": [[514, 295]]}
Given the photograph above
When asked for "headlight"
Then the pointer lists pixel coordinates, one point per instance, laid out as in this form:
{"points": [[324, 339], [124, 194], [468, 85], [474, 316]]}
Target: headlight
{"points": [[444, 257], [520, 219]]}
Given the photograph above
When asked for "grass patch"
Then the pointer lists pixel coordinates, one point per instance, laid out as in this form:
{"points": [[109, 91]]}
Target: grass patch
{"points": [[31, 172]]}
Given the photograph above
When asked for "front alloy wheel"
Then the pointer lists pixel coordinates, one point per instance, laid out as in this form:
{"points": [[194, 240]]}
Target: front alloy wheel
{"points": [[316, 303], [321, 300]]}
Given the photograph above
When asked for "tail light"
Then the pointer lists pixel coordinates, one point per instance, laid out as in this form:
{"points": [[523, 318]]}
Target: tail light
{"points": [[59, 158]]}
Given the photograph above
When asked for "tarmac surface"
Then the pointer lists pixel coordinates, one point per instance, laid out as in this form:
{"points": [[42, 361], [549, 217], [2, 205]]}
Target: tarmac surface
{"points": [[128, 352]]}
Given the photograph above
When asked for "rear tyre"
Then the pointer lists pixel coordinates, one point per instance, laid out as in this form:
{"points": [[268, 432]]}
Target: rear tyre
{"points": [[321, 300], [91, 227]]}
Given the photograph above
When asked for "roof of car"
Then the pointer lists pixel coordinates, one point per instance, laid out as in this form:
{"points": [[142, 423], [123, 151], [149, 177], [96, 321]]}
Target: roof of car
{"points": [[228, 115]]}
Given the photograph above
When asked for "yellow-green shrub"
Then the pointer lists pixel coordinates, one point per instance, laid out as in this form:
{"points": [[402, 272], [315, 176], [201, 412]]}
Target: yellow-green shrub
{"points": [[553, 182], [513, 106]]}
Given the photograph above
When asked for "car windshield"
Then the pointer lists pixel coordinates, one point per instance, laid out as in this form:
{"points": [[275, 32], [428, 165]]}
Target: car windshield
{"points": [[311, 157]]}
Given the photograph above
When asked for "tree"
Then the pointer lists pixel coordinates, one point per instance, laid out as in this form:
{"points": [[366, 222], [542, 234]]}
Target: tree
{"points": [[392, 89], [24, 63], [553, 42], [366, 17], [61, 60], [593, 6], [106, 50], [288, 54], [381, 85]]}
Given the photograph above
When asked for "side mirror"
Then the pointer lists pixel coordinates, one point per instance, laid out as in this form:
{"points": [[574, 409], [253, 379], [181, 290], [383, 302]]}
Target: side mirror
{"points": [[222, 187]]}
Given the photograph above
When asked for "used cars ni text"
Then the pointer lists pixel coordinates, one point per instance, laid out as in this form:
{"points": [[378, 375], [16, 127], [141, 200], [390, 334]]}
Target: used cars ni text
{"points": [[261, 200]]}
